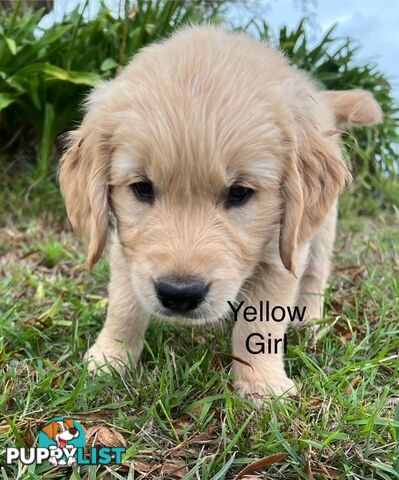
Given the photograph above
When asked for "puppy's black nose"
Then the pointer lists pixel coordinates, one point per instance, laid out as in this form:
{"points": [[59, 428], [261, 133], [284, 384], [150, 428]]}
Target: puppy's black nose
{"points": [[181, 294]]}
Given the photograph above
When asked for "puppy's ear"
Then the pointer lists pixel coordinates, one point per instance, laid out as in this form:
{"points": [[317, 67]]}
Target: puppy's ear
{"points": [[292, 198], [69, 422], [314, 176], [50, 430], [354, 107], [83, 181]]}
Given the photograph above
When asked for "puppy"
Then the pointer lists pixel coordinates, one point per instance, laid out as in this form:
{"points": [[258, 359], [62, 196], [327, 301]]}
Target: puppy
{"points": [[221, 166], [61, 432]]}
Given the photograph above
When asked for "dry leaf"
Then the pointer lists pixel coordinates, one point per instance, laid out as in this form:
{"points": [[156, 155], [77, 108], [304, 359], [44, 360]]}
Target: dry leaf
{"points": [[259, 465], [4, 429], [354, 383], [327, 472], [315, 402], [29, 436], [343, 331], [32, 255], [181, 426], [177, 469], [353, 271], [202, 438], [237, 359], [337, 305], [104, 437], [142, 467], [308, 468]]}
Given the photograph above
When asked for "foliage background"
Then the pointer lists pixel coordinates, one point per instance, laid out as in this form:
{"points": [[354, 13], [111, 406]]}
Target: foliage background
{"points": [[44, 74]]}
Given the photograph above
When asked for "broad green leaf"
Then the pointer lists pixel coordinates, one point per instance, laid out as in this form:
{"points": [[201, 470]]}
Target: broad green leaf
{"points": [[26, 25], [53, 35], [56, 73], [33, 91], [150, 28], [6, 99], [46, 144], [17, 83], [11, 45], [108, 64]]}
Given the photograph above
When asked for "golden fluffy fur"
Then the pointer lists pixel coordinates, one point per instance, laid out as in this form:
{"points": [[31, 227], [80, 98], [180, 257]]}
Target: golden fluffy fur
{"points": [[196, 114]]}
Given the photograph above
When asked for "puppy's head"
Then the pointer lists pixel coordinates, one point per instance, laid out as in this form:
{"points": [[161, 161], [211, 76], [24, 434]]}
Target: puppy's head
{"points": [[204, 164], [64, 430]]}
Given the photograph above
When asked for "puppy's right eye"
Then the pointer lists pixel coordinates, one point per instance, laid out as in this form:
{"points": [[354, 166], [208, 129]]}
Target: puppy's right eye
{"points": [[143, 191], [238, 195]]}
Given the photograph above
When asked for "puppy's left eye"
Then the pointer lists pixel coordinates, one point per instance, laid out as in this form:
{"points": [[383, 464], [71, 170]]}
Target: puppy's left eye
{"points": [[238, 195], [143, 191]]}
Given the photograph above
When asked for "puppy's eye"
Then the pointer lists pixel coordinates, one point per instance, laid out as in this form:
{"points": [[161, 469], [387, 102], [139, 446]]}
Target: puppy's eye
{"points": [[237, 196], [143, 191]]}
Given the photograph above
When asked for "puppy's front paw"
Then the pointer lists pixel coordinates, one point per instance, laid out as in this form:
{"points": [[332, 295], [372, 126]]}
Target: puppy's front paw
{"points": [[102, 360], [258, 391]]}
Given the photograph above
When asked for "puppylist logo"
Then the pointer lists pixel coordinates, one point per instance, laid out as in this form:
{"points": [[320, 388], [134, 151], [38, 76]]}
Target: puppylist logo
{"points": [[62, 442]]}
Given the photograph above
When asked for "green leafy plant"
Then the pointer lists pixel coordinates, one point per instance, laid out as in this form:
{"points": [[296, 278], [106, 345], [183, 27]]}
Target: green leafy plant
{"points": [[336, 65], [45, 73]]}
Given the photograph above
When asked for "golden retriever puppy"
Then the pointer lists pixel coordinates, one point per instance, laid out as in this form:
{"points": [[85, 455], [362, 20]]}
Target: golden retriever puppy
{"points": [[221, 167]]}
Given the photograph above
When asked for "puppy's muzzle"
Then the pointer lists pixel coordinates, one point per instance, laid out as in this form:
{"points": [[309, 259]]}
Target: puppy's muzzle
{"points": [[180, 295]]}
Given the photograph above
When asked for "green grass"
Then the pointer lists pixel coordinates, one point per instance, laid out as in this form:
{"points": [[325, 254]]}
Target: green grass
{"points": [[176, 409]]}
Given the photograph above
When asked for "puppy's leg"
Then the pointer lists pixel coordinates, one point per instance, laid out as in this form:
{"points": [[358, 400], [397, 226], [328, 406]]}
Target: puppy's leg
{"points": [[124, 329], [315, 277], [266, 373]]}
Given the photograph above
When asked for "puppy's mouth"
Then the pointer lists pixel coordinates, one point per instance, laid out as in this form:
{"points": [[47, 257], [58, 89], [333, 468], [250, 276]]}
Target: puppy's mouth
{"points": [[190, 315], [62, 443]]}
